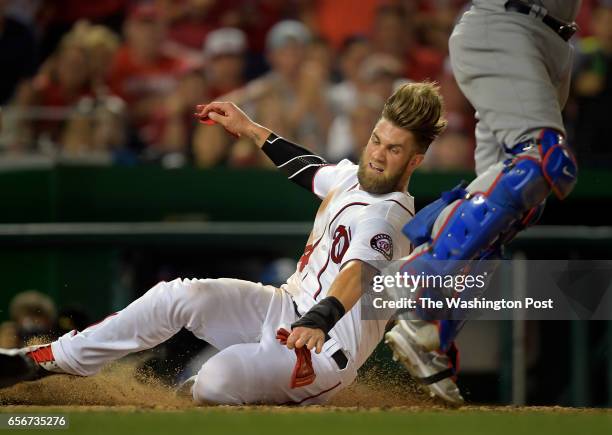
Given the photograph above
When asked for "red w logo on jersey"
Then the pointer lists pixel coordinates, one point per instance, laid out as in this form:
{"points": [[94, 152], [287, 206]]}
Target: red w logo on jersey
{"points": [[340, 244]]}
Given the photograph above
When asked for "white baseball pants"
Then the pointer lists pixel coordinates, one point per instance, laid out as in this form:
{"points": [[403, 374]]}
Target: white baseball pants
{"points": [[238, 317]]}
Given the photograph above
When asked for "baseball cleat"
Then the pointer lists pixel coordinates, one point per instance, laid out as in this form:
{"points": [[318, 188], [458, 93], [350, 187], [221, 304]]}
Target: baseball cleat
{"points": [[26, 364], [431, 368], [422, 333]]}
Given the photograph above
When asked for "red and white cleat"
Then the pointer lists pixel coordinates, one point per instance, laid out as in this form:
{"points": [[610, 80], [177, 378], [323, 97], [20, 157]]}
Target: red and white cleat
{"points": [[26, 364]]}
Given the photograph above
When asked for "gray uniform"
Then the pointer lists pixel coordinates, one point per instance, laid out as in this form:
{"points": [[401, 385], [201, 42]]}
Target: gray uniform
{"points": [[514, 70]]}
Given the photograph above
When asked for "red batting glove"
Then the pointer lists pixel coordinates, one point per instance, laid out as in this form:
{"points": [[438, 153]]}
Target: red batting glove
{"points": [[303, 372]]}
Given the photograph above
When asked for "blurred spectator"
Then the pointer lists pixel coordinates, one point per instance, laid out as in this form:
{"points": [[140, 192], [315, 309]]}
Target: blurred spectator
{"points": [[377, 76], [190, 21], [291, 99], [592, 89], [160, 74], [454, 149], [350, 132], [98, 124], [344, 95], [175, 118], [394, 34], [458, 111], [320, 52], [67, 106], [223, 56], [224, 53], [101, 45], [56, 18], [259, 17], [434, 30], [450, 152], [380, 74], [143, 74], [59, 85], [17, 53], [32, 314]]}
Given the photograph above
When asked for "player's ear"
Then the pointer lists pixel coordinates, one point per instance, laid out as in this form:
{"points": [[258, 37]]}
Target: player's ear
{"points": [[416, 160]]}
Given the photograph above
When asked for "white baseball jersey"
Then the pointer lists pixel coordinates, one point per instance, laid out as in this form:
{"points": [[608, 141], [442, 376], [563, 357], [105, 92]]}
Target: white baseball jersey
{"points": [[351, 224]]}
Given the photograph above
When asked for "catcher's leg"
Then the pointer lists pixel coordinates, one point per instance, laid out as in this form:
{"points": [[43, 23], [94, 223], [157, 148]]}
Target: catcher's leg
{"points": [[222, 312], [464, 225]]}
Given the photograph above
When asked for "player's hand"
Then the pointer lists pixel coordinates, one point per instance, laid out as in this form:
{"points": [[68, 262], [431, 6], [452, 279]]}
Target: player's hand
{"points": [[311, 338], [228, 115]]}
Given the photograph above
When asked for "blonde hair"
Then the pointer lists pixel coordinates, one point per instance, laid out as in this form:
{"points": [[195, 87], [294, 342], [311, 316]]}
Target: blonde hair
{"points": [[418, 108], [87, 36]]}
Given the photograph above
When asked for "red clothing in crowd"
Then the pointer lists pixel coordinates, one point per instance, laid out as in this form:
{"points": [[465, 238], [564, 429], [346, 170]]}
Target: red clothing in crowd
{"points": [[136, 82], [423, 63], [133, 80], [191, 29], [339, 19], [50, 93]]}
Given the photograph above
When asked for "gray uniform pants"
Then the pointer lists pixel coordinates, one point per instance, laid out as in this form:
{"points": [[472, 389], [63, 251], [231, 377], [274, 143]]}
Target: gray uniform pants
{"points": [[515, 71]]}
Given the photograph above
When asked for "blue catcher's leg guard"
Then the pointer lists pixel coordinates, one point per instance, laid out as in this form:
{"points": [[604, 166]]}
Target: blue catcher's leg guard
{"points": [[493, 204], [465, 223]]}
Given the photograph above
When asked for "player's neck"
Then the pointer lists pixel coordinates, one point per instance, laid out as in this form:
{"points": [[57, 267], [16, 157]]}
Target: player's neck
{"points": [[402, 186]]}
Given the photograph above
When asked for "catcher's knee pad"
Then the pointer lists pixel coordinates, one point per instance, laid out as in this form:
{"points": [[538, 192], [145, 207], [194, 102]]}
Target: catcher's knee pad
{"points": [[557, 161], [469, 221]]}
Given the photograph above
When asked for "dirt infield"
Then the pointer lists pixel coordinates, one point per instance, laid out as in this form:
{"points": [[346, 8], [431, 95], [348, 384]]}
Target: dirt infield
{"points": [[120, 388], [120, 385], [129, 403]]}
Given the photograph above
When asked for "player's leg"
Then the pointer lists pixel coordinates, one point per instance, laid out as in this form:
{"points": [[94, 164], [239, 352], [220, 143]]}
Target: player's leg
{"points": [[220, 311], [492, 208], [262, 372], [514, 71], [253, 373], [504, 67]]}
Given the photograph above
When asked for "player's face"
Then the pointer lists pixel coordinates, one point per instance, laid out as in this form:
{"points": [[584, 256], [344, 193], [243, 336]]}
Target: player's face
{"points": [[388, 160]]}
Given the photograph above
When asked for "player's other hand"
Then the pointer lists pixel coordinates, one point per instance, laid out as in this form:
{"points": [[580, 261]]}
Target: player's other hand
{"points": [[302, 336], [226, 114]]}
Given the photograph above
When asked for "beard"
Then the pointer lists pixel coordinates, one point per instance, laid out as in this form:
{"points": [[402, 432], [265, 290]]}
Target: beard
{"points": [[378, 185]]}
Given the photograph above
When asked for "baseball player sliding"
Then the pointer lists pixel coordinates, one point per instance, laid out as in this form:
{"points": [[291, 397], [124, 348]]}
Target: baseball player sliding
{"points": [[265, 334], [512, 60]]}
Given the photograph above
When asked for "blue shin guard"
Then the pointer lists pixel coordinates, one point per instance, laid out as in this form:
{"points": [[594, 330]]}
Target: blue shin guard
{"points": [[465, 223]]}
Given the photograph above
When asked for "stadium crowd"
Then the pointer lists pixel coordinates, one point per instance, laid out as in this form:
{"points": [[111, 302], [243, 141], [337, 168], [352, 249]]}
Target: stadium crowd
{"points": [[119, 79]]}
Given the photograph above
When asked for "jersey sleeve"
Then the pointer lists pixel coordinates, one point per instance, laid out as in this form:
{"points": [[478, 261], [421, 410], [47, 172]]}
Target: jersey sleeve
{"points": [[374, 240], [329, 176]]}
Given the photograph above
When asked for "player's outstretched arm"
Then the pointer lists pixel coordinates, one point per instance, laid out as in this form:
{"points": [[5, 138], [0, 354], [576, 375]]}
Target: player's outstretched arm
{"points": [[310, 330], [299, 164]]}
